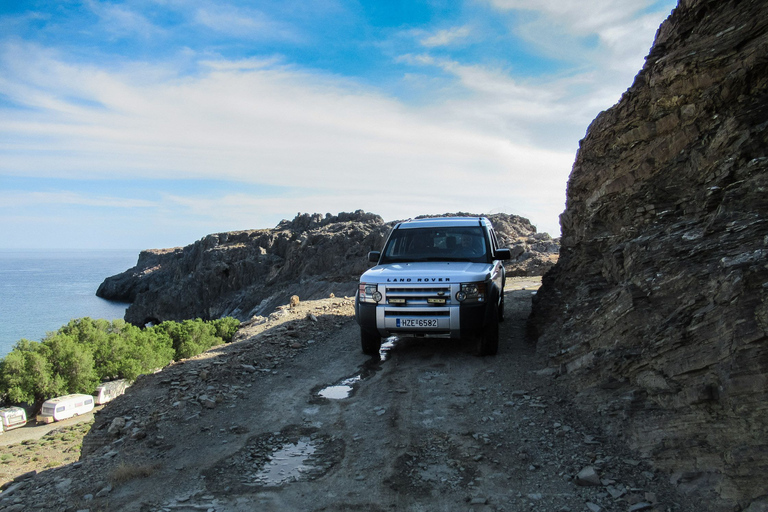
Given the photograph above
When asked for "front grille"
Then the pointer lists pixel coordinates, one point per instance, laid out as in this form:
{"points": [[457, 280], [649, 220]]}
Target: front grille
{"points": [[432, 314], [414, 296]]}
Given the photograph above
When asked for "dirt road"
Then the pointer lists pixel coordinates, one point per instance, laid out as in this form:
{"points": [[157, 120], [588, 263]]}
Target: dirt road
{"points": [[430, 426], [34, 431]]}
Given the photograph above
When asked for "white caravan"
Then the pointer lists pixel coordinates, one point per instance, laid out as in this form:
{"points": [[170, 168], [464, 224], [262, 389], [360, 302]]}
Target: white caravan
{"points": [[64, 407], [12, 417], [110, 390]]}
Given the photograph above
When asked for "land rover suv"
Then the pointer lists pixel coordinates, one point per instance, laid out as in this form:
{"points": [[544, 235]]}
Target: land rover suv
{"points": [[435, 277]]}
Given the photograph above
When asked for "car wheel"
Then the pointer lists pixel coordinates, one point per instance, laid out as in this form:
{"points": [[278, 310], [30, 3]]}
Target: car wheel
{"points": [[501, 308], [370, 342], [489, 337]]}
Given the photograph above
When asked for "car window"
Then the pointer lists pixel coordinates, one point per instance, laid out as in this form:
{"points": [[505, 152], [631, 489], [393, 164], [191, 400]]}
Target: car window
{"points": [[436, 244]]}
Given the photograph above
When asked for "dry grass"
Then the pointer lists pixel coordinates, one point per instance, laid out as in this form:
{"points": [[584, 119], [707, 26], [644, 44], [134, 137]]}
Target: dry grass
{"points": [[57, 448], [125, 472]]}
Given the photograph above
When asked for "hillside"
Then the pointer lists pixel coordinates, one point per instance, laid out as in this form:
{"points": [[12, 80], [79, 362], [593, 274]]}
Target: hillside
{"points": [[292, 416], [656, 314]]}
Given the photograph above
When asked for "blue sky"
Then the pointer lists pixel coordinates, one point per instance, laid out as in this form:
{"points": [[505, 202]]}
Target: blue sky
{"points": [[151, 123]]}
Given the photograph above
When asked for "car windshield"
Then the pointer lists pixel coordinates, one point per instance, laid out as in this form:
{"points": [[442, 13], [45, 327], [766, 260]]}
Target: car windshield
{"points": [[465, 243]]}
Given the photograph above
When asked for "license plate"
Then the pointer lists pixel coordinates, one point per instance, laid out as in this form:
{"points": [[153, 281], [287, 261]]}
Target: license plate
{"points": [[417, 322]]}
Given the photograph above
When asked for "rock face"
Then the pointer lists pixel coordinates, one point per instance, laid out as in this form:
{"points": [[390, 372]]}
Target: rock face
{"points": [[249, 273], [657, 311]]}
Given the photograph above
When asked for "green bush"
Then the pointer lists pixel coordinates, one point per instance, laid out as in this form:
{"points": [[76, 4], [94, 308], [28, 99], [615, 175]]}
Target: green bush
{"points": [[226, 328], [85, 352]]}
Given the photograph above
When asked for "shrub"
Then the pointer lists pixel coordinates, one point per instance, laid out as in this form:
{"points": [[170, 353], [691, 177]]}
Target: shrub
{"points": [[125, 472], [226, 328], [84, 352]]}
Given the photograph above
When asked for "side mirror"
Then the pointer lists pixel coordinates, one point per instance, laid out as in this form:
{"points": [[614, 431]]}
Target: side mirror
{"points": [[374, 256], [503, 254]]}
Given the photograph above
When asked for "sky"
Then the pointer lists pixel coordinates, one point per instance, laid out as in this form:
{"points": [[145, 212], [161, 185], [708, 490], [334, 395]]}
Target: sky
{"points": [[152, 123]]}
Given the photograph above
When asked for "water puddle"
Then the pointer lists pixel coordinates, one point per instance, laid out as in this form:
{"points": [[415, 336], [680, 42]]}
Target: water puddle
{"points": [[346, 387], [277, 459], [288, 464], [386, 346], [341, 390]]}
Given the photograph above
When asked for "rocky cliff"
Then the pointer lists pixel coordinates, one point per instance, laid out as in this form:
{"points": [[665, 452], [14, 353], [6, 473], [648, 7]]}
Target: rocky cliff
{"points": [[657, 311], [249, 273]]}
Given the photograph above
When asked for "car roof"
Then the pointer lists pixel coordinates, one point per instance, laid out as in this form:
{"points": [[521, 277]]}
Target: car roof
{"points": [[433, 222]]}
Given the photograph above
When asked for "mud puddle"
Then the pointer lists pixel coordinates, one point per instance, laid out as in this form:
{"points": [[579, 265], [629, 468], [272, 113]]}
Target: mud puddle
{"points": [[346, 387], [274, 460], [287, 464]]}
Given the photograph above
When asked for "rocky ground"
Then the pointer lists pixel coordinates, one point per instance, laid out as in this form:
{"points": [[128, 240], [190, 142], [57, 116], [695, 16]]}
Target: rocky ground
{"points": [[293, 416]]}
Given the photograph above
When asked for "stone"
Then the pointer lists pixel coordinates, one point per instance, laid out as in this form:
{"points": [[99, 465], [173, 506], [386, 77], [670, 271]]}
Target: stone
{"points": [[117, 426], [64, 485], [588, 477], [207, 402], [104, 491]]}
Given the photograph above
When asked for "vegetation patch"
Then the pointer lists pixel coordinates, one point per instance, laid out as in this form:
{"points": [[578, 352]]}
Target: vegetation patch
{"points": [[41, 454], [84, 352]]}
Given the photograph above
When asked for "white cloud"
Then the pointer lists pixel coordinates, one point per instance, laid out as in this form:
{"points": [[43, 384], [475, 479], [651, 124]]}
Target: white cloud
{"points": [[563, 29], [255, 123], [579, 16], [123, 22], [486, 137], [242, 22], [549, 112], [13, 200], [446, 37]]}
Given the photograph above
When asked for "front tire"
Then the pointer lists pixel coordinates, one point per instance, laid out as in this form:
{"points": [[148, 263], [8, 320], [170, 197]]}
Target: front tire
{"points": [[489, 336], [370, 342]]}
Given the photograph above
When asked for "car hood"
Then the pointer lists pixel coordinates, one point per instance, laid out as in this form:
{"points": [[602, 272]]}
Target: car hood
{"points": [[428, 272]]}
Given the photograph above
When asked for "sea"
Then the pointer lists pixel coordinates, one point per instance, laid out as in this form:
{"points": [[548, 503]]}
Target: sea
{"points": [[42, 290]]}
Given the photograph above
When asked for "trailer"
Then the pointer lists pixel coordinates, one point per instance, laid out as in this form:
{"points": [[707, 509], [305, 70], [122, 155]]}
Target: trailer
{"points": [[12, 417], [65, 407], [107, 391]]}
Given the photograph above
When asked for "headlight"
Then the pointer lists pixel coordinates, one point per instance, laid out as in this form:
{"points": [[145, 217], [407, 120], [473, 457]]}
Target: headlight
{"points": [[472, 292], [369, 293]]}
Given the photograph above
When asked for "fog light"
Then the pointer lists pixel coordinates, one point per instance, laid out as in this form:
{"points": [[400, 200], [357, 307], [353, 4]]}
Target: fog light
{"points": [[461, 296], [376, 296]]}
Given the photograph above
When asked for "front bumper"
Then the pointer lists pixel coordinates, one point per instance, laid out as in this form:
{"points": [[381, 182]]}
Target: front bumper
{"points": [[450, 322]]}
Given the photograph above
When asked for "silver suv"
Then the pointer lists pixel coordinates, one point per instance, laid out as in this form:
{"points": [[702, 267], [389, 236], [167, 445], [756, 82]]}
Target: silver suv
{"points": [[436, 277]]}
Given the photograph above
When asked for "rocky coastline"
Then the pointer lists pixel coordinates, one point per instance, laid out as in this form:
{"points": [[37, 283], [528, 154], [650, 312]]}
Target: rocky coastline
{"points": [[250, 273]]}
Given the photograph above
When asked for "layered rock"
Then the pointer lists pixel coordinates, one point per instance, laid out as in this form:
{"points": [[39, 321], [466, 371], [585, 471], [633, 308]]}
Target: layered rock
{"points": [[249, 273], [657, 311]]}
